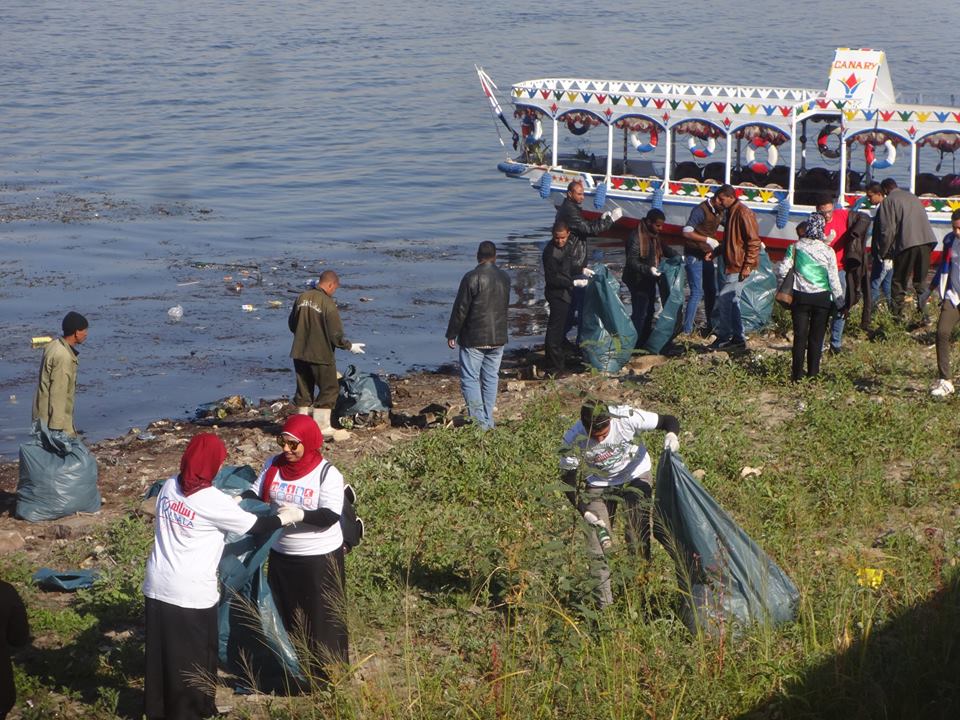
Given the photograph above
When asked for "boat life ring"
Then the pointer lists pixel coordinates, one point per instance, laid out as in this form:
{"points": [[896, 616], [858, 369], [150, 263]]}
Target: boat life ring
{"points": [[765, 166], [577, 129], [870, 155], [647, 146], [701, 151], [532, 129], [823, 138]]}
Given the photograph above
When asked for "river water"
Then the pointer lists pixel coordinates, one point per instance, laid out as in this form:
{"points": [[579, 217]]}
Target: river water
{"points": [[157, 154]]}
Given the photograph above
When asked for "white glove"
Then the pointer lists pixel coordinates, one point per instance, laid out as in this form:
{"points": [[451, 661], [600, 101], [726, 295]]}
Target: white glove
{"points": [[588, 272], [289, 515], [714, 244], [671, 442], [831, 236], [655, 272], [237, 499], [888, 265], [582, 282], [615, 214], [358, 348]]}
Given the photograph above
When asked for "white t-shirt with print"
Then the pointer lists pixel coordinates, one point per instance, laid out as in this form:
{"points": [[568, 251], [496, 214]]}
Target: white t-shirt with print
{"points": [[619, 457], [307, 493], [190, 535]]}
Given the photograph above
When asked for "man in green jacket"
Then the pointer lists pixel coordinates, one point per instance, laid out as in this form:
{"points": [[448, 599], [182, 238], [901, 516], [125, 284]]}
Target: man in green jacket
{"points": [[57, 386], [317, 332]]}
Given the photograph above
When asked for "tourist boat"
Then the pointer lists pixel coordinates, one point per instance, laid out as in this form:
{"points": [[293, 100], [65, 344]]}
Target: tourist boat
{"points": [[667, 145]]}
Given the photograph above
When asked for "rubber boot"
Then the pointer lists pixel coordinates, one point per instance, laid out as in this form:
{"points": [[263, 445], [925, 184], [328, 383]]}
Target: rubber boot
{"points": [[303, 411], [322, 418]]}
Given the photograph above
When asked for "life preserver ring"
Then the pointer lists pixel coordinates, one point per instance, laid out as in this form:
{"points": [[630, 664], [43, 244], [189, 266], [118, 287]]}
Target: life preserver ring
{"points": [[701, 151], [647, 146], [765, 166], [532, 129], [870, 155], [576, 129], [824, 136]]}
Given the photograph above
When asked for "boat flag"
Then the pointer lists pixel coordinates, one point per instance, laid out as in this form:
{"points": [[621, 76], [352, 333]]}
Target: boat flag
{"points": [[488, 87]]}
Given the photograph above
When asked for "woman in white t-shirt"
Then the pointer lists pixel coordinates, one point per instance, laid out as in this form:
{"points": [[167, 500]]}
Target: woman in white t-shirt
{"points": [[306, 571], [193, 520]]}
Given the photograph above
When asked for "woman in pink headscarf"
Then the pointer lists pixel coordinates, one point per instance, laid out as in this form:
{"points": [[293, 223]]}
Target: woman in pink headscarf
{"points": [[193, 520], [306, 570]]}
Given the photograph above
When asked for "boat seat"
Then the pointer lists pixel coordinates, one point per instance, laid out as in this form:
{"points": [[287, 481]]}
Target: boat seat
{"points": [[773, 186], [689, 180]]}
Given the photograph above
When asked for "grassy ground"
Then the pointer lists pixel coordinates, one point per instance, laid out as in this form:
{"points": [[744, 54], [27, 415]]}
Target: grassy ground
{"points": [[471, 596]]}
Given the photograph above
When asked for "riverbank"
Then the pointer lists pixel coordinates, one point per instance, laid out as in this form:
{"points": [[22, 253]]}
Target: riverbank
{"points": [[470, 596]]}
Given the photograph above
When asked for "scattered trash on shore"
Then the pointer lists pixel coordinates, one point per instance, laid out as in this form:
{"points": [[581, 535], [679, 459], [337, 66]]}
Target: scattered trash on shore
{"points": [[223, 407], [176, 313]]}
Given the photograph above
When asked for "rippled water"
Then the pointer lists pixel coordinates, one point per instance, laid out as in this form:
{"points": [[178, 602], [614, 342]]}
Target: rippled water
{"points": [[148, 151]]}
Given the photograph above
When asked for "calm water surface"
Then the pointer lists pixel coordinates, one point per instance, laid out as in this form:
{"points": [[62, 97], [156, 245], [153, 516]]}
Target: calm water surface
{"points": [[151, 150]]}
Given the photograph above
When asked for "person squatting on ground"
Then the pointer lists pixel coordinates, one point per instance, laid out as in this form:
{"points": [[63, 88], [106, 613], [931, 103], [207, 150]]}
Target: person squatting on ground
{"points": [[14, 632], [947, 284], [907, 238], [57, 386], [317, 332], [180, 585], [306, 570], [641, 272], [559, 278], [615, 466], [700, 234], [570, 211], [816, 290], [478, 321], [740, 251]]}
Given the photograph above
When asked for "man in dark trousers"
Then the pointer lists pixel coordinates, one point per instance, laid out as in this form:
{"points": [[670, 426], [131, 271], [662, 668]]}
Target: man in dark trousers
{"points": [[317, 332], [478, 322], [641, 271], [907, 238], [14, 632], [57, 385], [559, 275], [570, 211]]}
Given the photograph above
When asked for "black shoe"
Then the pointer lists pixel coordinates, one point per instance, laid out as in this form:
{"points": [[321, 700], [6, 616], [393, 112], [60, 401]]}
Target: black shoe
{"points": [[835, 350], [732, 344]]}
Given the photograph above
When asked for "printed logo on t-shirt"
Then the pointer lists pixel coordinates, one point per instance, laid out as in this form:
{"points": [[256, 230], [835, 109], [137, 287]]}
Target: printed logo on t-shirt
{"points": [[606, 457], [178, 512], [291, 493]]}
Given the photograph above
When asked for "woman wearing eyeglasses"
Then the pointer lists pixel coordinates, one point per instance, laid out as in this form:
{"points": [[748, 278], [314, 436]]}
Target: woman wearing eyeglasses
{"points": [[306, 570], [180, 584]]}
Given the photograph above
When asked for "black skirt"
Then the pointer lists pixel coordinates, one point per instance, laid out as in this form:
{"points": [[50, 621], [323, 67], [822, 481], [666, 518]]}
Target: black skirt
{"points": [[309, 592], [181, 661]]}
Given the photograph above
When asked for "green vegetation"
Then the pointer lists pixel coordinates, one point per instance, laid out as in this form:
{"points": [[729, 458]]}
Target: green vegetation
{"points": [[471, 595]]}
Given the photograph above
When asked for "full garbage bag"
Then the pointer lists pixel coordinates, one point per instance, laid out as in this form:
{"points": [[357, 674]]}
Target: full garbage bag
{"points": [[757, 297], [607, 335], [58, 476], [672, 283], [362, 393], [725, 577]]}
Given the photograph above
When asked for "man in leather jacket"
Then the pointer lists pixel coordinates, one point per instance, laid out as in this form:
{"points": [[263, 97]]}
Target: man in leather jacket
{"points": [[478, 322]]}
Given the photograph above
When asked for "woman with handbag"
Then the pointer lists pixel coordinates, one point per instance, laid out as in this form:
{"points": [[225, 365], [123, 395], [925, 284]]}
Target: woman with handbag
{"points": [[816, 290]]}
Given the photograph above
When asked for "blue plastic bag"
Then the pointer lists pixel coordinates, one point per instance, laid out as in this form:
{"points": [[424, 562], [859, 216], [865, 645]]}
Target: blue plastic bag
{"points": [[58, 476], [64, 580], [673, 281], [607, 335]]}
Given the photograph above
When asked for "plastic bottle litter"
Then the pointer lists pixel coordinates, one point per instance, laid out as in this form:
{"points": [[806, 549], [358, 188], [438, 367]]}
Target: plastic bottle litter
{"points": [[176, 312], [311, 283], [603, 535], [276, 303], [247, 308], [40, 340]]}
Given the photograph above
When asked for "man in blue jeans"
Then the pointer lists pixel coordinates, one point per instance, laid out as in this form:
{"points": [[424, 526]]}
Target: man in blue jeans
{"points": [[478, 322], [740, 253], [700, 233]]}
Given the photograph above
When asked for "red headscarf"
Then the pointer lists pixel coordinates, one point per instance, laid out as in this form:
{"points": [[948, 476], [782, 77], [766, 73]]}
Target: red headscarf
{"points": [[201, 462], [306, 430]]}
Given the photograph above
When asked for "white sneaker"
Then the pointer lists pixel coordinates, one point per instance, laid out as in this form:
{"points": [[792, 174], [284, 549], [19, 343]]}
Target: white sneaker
{"points": [[942, 388]]}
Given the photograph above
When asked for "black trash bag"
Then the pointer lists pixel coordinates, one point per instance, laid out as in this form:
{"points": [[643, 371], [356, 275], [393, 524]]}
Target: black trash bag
{"points": [[672, 282], [607, 334], [58, 476], [362, 393], [726, 578]]}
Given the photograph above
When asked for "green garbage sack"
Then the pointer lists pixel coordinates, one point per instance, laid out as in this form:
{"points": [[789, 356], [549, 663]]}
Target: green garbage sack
{"points": [[673, 282], [362, 393], [725, 577], [58, 476], [756, 300], [607, 335]]}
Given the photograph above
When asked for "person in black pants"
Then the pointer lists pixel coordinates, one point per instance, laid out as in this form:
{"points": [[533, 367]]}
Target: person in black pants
{"points": [[641, 272], [14, 631], [558, 273]]}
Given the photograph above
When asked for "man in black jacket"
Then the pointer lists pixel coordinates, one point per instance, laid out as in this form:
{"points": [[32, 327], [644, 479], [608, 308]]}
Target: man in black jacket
{"points": [[559, 275], [478, 322], [570, 213]]}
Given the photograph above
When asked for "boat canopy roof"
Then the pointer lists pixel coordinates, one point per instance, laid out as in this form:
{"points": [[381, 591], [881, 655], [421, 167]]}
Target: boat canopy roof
{"points": [[859, 94]]}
